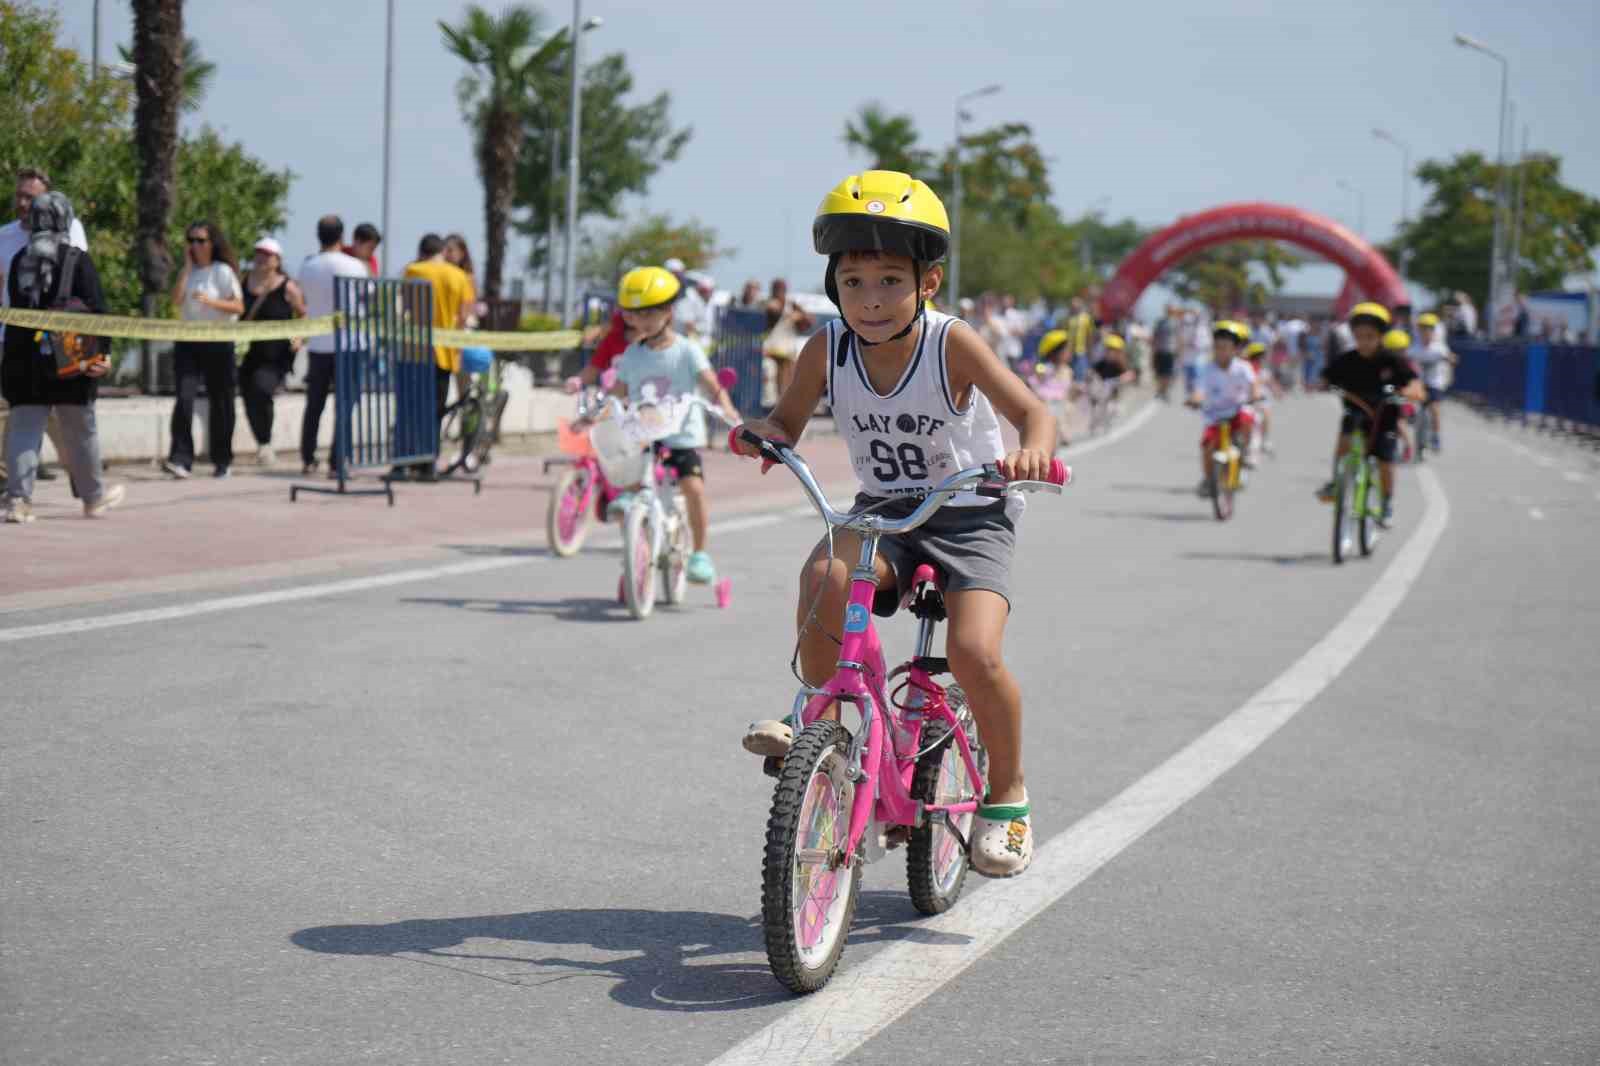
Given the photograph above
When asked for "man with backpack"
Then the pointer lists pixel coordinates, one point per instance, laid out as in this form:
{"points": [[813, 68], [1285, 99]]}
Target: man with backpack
{"points": [[45, 370]]}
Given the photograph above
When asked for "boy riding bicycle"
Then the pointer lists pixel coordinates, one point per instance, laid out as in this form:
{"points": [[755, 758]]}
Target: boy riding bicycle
{"points": [[1224, 389], [660, 363], [1367, 372], [914, 393]]}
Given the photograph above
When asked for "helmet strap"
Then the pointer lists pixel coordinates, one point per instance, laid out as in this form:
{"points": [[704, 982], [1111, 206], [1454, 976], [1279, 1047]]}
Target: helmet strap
{"points": [[833, 294]]}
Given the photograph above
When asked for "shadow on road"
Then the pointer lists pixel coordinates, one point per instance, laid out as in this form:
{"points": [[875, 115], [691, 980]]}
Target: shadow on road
{"points": [[1164, 490], [519, 550], [575, 609], [664, 966], [1300, 559]]}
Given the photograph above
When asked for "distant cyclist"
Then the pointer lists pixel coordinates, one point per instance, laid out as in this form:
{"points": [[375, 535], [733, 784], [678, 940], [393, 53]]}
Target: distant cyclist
{"points": [[1365, 372], [1255, 354], [1225, 386], [1433, 356]]}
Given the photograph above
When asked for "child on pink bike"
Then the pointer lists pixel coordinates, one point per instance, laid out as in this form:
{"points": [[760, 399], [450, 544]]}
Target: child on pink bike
{"points": [[914, 394]]}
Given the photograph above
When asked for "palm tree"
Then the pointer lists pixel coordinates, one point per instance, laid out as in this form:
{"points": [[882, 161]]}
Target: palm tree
{"points": [[890, 141], [510, 60], [158, 93], [197, 73]]}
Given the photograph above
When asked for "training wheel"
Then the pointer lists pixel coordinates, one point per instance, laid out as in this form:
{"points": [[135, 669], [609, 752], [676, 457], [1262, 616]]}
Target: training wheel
{"points": [[724, 592]]}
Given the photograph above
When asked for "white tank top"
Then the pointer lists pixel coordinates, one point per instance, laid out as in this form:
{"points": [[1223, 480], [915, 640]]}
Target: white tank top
{"points": [[913, 437]]}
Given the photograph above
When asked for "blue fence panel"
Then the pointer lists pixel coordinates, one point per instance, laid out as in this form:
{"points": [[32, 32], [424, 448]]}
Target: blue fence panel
{"points": [[1572, 384], [1559, 381], [1537, 356], [740, 334], [384, 375]]}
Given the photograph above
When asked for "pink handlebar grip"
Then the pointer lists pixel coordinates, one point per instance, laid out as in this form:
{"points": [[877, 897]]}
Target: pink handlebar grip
{"points": [[1060, 473]]}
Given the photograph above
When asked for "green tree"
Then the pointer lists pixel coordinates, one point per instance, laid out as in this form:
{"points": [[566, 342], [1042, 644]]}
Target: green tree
{"points": [[1447, 246], [624, 146], [888, 141], [509, 59], [1228, 276], [198, 73], [650, 241]]}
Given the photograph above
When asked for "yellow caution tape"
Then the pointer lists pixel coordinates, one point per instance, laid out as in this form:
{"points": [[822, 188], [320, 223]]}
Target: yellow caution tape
{"points": [[552, 341], [163, 329]]}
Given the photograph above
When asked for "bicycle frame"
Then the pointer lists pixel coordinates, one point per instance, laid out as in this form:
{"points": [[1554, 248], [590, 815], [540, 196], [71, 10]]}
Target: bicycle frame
{"points": [[860, 679]]}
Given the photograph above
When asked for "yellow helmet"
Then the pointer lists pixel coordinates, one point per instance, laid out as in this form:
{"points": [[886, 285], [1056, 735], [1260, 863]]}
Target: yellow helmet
{"points": [[1051, 341], [1255, 350], [1227, 327], [882, 211], [647, 287], [1113, 342], [1427, 318], [1396, 340], [1372, 314]]}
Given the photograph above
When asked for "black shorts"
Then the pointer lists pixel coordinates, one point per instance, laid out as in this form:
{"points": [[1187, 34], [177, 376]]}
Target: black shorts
{"points": [[1434, 395], [1164, 364], [1385, 444], [685, 462]]}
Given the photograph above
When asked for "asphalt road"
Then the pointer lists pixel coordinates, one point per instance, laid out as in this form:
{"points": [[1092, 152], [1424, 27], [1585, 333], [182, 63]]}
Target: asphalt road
{"points": [[484, 818]]}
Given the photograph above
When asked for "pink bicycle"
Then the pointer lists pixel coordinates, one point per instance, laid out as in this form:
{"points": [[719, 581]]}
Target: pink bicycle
{"points": [[910, 771], [582, 493]]}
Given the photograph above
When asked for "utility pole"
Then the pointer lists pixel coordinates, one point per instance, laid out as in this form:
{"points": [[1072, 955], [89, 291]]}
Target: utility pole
{"points": [[388, 132]]}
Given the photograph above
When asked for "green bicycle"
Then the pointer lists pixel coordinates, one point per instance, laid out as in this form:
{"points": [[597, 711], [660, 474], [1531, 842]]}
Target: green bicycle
{"points": [[1357, 487], [471, 426]]}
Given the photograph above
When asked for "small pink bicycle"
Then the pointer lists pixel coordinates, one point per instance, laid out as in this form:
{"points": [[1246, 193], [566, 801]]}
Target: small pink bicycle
{"points": [[910, 772], [582, 493]]}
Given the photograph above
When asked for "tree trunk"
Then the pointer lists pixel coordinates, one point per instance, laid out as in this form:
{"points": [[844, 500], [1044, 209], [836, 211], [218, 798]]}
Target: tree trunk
{"points": [[158, 87], [502, 143]]}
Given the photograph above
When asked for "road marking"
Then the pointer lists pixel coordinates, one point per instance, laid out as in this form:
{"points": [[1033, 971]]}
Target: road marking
{"points": [[332, 588], [1535, 513], [1146, 413], [862, 1000], [1571, 475]]}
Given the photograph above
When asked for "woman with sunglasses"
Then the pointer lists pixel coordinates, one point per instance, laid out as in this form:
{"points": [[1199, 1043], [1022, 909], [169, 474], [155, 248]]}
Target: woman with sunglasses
{"points": [[207, 291]]}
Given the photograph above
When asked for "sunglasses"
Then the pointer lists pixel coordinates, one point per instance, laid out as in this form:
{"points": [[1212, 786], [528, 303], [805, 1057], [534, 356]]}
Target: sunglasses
{"points": [[199, 240]]}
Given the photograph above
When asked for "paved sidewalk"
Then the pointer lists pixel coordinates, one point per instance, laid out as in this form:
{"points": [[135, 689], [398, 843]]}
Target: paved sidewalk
{"points": [[177, 536]]}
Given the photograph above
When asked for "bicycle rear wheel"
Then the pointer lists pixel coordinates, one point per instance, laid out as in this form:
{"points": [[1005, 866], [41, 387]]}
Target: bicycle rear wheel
{"points": [[808, 895], [936, 865], [464, 423], [638, 561], [569, 515], [1343, 513], [1221, 490]]}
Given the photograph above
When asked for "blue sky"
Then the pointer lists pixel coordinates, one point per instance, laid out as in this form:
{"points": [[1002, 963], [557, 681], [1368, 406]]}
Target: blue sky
{"points": [[1150, 110]]}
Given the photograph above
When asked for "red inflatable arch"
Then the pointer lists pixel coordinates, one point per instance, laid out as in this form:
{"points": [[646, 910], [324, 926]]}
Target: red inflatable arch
{"points": [[1366, 268]]}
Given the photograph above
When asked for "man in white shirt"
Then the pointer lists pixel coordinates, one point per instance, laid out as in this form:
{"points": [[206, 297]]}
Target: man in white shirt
{"points": [[317, 282], [691, 316], [31, 182]]}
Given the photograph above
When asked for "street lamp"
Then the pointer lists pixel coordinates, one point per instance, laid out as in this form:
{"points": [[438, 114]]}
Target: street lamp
{"points": [[569, 283], [1361, 205], [553, 134], [1496, 252], [955, 217], [1405, 181], [388, 129]]}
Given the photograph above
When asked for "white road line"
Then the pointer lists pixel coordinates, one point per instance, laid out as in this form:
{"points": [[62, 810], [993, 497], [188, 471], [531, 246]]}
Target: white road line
{"points": [[1535, 513], [862, 1000], [1571, 475], [331, 588], [1074, 451]]}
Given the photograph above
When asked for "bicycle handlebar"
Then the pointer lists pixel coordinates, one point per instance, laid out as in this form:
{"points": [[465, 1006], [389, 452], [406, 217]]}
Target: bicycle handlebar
{"points": [[1390, 397], [988, 480]]}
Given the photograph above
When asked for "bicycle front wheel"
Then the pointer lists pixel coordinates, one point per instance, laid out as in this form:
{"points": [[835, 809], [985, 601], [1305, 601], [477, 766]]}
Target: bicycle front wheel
{"points": [[570, 513], [1371, 508], [808, 893], [1221, 484], [675, 559], [1343, 516], [638, 561], [463, 424]]}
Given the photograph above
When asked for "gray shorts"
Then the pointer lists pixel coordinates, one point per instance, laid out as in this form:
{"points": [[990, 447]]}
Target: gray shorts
{"points": [[971, 546]]}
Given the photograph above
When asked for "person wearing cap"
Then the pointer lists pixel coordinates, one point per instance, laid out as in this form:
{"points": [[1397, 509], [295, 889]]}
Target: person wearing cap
{"points": [[1225, 387], [1368, 371], [270, 295]]}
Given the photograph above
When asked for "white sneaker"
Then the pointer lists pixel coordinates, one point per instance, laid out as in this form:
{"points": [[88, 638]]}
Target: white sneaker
{"points": [[179, 472], [113, 495], [264, 456], [19, 512]]}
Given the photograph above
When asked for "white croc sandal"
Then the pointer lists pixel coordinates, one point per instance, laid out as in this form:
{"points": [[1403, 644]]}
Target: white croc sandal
{"points": [[769, 737], [1002, 840]]}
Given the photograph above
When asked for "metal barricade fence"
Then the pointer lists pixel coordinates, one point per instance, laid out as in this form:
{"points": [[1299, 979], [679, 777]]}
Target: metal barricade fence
{"points": [[737, 344], [385, 406], [1559, 383]]}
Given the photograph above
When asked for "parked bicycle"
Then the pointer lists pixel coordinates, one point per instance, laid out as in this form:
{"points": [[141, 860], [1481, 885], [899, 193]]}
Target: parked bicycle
{"points": [[471, 425], [910, 772]]}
